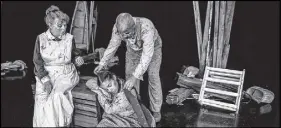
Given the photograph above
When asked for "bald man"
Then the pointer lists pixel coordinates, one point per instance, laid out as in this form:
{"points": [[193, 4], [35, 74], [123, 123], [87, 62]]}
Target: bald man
{"points": [[144, 53]]}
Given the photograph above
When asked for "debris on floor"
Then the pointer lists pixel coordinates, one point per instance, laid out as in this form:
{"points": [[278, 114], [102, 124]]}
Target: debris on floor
{"points": [[13, 70], [14, 66], [178, 95], [265, 109], [195, 83], [260, 95], [190, 71]]}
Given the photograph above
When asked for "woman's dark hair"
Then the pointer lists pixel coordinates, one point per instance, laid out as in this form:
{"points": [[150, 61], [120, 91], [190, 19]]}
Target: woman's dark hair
{"points": [[106, 75]]}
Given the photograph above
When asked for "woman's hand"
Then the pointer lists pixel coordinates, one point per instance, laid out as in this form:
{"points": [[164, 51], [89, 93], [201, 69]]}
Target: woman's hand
{"points": [[48, 87], [92, 84], [79, 61]]}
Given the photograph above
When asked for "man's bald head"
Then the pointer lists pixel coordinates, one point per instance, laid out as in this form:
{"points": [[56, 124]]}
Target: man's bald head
{"points": [[124, 22]]}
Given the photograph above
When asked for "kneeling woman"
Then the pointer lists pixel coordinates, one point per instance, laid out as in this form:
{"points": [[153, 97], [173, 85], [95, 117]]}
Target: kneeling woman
{"points": [[56, 75], [118, 111]]}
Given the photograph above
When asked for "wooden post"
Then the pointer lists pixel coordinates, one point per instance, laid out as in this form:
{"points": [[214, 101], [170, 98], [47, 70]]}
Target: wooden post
{"points": [[198, 27], [91, 23], [215, 43], [208, 59], [221, 33], [228, 21], [95, 28], [205, 40], [225, 55]]}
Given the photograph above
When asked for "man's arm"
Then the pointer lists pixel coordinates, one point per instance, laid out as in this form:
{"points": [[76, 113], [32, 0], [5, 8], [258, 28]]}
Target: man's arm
{"points": [[39, 70], [112, 47], [148, 50]]}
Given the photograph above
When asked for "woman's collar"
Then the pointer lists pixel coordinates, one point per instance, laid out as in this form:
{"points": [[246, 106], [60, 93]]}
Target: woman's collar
{"points": [[50, 35]]}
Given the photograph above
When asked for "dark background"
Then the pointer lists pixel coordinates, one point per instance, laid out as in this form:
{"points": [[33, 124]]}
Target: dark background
{"points": [[254, 39]]}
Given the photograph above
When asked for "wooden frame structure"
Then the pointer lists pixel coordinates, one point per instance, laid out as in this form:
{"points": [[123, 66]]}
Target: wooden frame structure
{"points": [[226, 77], [84, 25], [214, 53]]}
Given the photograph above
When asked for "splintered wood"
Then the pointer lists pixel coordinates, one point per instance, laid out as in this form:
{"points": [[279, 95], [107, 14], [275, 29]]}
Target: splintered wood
{"points": [[214, 53]]}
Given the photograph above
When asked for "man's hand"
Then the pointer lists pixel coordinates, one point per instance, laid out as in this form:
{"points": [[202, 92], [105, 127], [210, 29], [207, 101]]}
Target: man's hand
{"points": [[79, 61], [48, 87], [129, 84], [98, 69]]}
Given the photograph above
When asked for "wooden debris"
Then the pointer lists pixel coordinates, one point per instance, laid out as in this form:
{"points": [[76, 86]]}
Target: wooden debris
{"points": [[205, 39], [178, 95], [216, 28], [195, 84], [198, 27], [221, 33], [208, 58]]}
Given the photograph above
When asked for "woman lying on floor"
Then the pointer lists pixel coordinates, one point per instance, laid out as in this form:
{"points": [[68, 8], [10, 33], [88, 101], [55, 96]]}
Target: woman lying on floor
{"points": [[118, 111]]}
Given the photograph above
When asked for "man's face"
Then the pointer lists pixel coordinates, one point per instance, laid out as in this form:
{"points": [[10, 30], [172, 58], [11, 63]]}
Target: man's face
{"points": [[58, 28], [129, 33]]}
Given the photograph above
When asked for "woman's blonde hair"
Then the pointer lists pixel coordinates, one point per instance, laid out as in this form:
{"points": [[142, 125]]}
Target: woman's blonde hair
{"points": [[54, 12]]}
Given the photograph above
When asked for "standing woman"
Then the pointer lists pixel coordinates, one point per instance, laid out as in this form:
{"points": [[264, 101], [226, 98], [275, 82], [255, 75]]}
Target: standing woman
{"points": [[54, 57]]}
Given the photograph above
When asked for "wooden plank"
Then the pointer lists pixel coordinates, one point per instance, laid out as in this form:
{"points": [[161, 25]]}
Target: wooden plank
{"points": [[221, 33], [83, 101], [85, 121], [240, 89], [82, 95], [95, 28], [86, 113], [228, 20], [216, 28], [73, 17], [204, 84], [86, 34], [225, 55], [222, 81], [91, 22], [208, 58], [224, 78], [83, 92], [222, 92], [85, 107], [229, 71], [224, 74], [219, 104], [198, 27], [84, 124], [205, 40]]}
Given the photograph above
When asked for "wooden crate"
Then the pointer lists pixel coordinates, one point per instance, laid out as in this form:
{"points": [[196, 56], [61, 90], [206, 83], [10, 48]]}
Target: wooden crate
{"points": [[87, 112], [86, 106]]}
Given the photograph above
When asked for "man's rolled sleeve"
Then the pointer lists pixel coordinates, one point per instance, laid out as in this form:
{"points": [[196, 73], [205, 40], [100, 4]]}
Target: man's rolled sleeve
{"points": [[112, 47]]}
